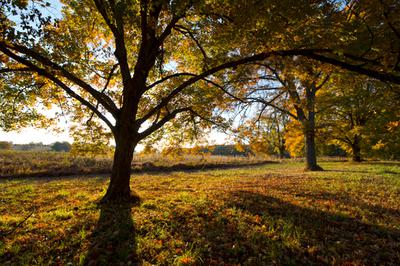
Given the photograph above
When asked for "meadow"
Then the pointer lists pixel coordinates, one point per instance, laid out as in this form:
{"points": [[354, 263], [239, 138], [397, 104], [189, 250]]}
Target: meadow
{"points": [[269, 214], [49, 164]]}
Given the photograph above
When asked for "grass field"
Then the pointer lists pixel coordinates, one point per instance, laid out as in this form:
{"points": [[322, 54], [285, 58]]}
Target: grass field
{"points": [[271, 214], [47, 163]]}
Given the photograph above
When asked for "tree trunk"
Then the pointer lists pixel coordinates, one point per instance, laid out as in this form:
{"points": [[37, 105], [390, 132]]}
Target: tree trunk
{"points": [[356, 150], [281, 151], [310, 150], [119, 187]]}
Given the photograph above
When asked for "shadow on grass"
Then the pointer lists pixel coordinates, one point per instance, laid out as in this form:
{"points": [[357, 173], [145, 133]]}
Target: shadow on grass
{"points": [[255, 229], [387, 163], [345, 199], [348, 171], [113, 239], [362, 171]]}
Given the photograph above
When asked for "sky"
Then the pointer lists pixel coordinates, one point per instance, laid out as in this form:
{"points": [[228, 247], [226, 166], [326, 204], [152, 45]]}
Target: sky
{"points": [[28, 135]]}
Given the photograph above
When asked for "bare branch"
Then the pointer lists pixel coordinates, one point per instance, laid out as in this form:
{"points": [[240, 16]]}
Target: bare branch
{"points": [[224, 90], [169, 77], [157, 125], [206, 119], [270, 103], [317, 87], [2, 235]]}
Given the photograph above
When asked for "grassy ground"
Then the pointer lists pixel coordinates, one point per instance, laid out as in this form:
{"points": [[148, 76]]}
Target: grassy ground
{"points": [[45, 163], [272, 214]]}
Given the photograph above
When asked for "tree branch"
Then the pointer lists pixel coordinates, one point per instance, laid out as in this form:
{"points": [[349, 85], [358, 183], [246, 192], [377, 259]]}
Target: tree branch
{"points": [[8, 70], [169, 77], [185, 30], [270, 103], [380, 75], [104, 88], [167, 31], [118, 33], [157, 125], [224, 90], [102, 98], [43, 72], [201, 76]]}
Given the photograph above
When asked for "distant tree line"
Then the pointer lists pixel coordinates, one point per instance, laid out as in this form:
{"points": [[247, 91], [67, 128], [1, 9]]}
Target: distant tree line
{"points": [[56, 146]]}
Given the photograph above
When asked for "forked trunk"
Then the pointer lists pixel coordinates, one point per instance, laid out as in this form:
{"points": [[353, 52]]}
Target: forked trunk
{"points": [[119, 187]]}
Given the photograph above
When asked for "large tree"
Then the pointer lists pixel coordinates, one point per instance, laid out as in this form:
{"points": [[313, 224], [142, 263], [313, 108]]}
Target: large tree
{"points": [[136, 65], [132, 65]]}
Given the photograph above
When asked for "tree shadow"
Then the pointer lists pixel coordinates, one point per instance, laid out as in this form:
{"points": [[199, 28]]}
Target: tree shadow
{"points": [[345, 199], [340, 237], [393, 164], [387, 163], [348, 171], [256, 229], [113, 239]]}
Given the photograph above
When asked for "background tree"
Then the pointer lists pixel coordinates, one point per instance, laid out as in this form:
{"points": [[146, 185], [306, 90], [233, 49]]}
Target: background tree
{"points": [[61, 146], [291, 88], [359, 111], [264, 134], [6, 145]]}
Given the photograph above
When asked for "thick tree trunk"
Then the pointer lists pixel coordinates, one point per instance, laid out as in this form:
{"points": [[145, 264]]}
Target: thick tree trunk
{"points": [[356, 150], [310, 150], [119, 187]]}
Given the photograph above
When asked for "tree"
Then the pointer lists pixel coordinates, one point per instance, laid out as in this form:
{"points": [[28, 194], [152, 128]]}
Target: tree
{"points": [[135, 66], [264, 133], [6, 145], [357, 36], [291, 88], [357, 113], [61, 146]]}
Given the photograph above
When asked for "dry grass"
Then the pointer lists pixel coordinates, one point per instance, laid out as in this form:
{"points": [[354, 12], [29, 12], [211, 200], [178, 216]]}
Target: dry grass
{"points": [[38, 164]]}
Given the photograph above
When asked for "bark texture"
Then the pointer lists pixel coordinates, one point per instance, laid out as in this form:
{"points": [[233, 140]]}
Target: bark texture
{"points": [[310, 151], [119, 187], [356, 150]]}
